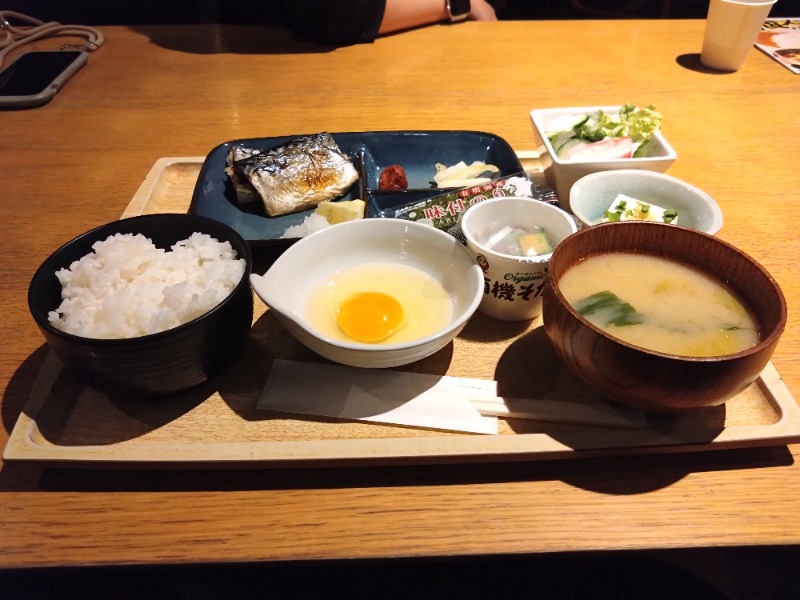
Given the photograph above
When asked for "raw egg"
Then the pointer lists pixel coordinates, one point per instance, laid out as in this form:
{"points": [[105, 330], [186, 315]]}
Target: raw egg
{"points": [[369, 316], [379, 303]]}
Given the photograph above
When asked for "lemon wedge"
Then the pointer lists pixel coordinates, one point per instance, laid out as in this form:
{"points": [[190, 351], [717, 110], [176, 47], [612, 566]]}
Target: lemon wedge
{"points": [[339, 212]]}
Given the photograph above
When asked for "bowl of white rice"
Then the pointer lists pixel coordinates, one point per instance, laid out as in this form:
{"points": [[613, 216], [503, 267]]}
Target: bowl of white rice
{"points": [[146, 306]]}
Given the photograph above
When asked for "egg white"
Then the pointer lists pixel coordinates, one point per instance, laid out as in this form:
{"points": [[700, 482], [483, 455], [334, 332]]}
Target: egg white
{"points": [[427, 307]]}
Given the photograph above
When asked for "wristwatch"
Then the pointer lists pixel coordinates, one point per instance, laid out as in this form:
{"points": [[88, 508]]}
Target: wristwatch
{"points": [[458, 9]]}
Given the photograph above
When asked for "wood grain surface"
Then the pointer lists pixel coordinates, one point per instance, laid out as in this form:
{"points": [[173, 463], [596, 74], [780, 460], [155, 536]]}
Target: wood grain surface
{"points": [[180, 91]]}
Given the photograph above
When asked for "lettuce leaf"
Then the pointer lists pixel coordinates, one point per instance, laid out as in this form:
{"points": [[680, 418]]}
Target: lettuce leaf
{"points": [[639, 124]]}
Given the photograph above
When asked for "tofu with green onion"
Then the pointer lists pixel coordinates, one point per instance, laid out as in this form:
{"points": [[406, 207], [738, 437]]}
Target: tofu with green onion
{"points": [[625, 208]]}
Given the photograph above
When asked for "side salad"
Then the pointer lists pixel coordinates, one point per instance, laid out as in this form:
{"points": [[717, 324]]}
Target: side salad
{"points": [[601, 135]]}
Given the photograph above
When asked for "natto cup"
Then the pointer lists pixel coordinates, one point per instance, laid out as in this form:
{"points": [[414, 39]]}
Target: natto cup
{"points": [[513, 285]]}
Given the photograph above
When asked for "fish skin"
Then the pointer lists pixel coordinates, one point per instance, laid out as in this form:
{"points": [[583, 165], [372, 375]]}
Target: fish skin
{"points": [[245, 192], [237, 153], [298, 175]]}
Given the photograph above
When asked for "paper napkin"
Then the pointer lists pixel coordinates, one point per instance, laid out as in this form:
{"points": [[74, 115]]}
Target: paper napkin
{"points": [[379, 395]]}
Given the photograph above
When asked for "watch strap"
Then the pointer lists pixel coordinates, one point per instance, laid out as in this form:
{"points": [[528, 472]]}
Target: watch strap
{"points": [[457, 10]]}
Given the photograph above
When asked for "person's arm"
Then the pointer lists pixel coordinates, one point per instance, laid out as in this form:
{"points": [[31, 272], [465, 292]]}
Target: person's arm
{"points": [[406, 14], [341, 22]]}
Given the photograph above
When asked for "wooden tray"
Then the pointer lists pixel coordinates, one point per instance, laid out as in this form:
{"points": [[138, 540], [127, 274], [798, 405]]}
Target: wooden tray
{"points": [[67, 424]]}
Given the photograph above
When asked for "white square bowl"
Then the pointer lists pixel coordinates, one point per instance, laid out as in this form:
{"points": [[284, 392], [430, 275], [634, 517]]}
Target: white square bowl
{"points": [[561, 174]]}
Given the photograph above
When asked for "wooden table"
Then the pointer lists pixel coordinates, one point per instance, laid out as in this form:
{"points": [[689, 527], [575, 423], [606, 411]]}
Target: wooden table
{"points": [[179, 91]]}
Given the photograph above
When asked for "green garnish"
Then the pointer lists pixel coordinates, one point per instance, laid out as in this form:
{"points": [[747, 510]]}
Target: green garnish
{"points": [[670, 215], [616, 214], [616, 311], [639, 124]]}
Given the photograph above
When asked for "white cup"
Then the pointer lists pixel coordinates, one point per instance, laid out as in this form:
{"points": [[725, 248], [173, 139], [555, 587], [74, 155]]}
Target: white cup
{"points": [[731, 30], [513, 285]]}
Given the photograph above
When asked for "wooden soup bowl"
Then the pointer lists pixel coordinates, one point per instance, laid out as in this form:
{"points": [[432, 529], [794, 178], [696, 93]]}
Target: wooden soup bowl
{"points": [[646, 379]]}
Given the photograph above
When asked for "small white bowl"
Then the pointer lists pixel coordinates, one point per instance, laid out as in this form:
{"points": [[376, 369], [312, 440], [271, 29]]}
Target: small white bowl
{"points": [[300, 270], [592, 195], [561, 174]]}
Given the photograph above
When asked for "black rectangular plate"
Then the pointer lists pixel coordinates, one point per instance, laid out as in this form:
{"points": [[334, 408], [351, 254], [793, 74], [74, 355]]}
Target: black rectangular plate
{"points": [[416, 151]]}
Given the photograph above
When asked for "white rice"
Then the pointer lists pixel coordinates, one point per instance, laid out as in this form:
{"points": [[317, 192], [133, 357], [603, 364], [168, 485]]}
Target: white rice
{"points": [[128, 288]]}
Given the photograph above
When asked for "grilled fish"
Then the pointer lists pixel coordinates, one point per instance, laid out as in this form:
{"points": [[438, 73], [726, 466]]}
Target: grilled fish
{"points": [[295, 176], [245, 192]]}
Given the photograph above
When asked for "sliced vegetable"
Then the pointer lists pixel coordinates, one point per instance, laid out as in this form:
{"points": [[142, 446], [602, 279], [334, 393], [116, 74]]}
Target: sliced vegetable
{"points": [[517, 241], [670, 216], [638, 124], [535, 244], [614, 310], [603, 150], [463, 175]]}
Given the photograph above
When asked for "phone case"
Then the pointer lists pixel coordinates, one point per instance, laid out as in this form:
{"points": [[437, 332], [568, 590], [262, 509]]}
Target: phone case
{"points": [[47, 94]]}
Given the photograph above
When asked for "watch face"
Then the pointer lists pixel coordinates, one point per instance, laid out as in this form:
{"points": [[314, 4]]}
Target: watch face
{"points": [[459, 8]]}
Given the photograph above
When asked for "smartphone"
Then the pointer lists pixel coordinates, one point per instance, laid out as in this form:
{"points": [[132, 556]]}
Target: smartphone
{"points": [[33, 78]]}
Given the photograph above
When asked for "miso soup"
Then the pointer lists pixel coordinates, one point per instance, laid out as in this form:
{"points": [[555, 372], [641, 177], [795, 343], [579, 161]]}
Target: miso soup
{"points": [[659, 304]]}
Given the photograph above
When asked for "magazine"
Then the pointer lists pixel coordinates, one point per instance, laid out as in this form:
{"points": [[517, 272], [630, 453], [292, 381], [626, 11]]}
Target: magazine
{"points": [[780, 39]]}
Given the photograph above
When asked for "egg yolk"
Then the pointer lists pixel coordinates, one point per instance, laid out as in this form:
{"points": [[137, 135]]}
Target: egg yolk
{"points": [[369, 316]]}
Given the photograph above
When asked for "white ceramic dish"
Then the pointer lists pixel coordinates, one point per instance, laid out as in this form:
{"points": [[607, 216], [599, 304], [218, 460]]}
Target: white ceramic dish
{"points": [[592, 195], [561, 174], [290, 281]]}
